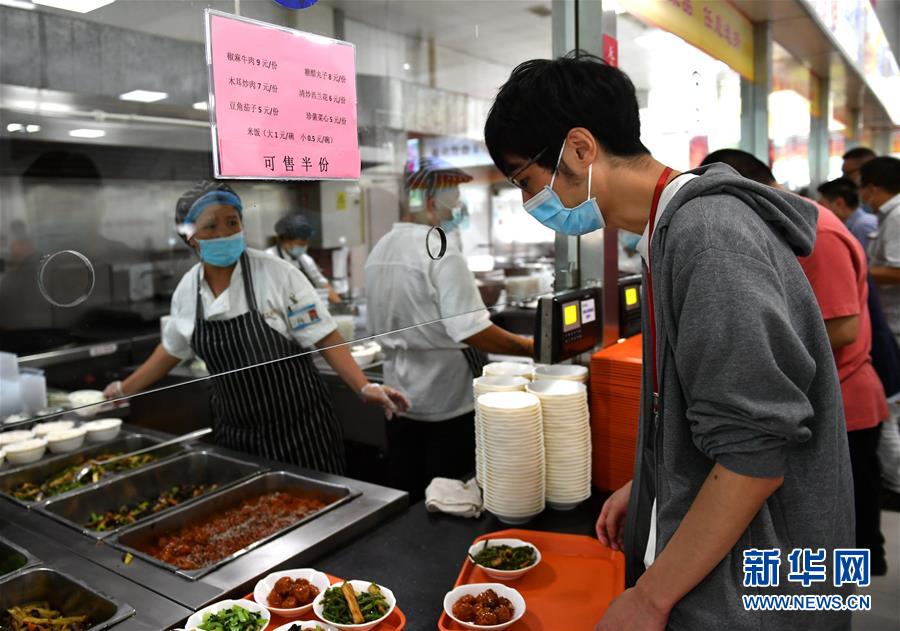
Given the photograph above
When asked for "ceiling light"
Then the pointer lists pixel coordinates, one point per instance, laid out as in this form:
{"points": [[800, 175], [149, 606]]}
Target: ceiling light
{"points": [[201, 105], [143, 96], [14, 127], [32, 128], [17, 4], [78, 6], [56, 107], [406, 66], [28, 106], [87, 133]]}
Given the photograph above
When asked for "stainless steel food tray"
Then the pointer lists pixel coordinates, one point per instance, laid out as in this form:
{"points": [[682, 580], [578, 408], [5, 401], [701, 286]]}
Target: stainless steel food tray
{"points": [[134, 537], [64, 593], [198, 467], [40, 471], [13, 558]]}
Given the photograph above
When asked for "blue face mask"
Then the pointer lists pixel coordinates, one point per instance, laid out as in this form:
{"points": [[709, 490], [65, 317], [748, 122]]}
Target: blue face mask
{"points": [[298, 251], [222, 252], [548, 208]]}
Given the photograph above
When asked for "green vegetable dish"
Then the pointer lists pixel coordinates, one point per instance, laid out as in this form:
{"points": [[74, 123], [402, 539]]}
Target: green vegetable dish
{"points": [[370, 605], [505, 557], [235, 619]]}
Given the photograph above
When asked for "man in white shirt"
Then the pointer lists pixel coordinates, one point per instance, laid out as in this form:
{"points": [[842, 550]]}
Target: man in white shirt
{"points": [[880, 189], [292, 235], [441, 324]]}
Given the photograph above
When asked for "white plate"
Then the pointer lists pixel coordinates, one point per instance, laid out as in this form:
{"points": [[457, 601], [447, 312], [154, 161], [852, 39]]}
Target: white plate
{"points": [[197, 619], [358, 587], [265, 586]]}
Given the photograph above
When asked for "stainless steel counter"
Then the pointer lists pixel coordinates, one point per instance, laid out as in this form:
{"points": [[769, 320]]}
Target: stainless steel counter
{"points": [[163, 598]]}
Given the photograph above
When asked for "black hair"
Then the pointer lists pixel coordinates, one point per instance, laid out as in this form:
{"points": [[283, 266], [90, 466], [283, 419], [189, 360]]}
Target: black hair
{"points": [[544, 99], [747, 164], [859, 153], [295, 226], [883, 172], [842, 187]]}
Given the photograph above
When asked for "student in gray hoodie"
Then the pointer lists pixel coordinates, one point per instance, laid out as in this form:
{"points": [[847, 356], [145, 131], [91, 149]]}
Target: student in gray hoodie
{"points": [[742, 441]]}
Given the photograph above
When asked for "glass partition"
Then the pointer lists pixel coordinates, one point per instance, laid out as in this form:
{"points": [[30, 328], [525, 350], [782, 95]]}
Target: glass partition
{"points": [[105, 127]]}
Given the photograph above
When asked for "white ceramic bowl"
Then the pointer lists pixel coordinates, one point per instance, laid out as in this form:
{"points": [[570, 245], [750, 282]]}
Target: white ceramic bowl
{"points": [[103, 429], [66, 440], [83, 402], [15, 436], [365, 354], [44, 429], [307, 625], [358, 587], [518, 603], [561, 371], [264, 588], [26, 452], [197, 619], [505, 575], [15, 418]]}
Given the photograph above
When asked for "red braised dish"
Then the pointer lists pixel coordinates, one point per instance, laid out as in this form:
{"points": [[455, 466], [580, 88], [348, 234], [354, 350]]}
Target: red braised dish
{"points": [[204, 543], [485, 609], [290, 594]]}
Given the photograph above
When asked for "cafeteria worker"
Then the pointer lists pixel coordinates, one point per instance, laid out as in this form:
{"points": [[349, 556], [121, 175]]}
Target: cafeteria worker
{"points": [[237, 308]]}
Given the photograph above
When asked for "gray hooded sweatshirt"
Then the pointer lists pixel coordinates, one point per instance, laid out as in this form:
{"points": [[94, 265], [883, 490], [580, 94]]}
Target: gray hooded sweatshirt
{"points": [[747, 380]]}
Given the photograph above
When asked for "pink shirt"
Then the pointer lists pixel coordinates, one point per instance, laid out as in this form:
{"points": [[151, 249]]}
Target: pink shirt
{"points": [[837, 273]]}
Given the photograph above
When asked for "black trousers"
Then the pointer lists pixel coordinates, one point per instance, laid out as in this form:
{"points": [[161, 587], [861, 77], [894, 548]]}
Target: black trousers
{"points": [[867, 488], [421, 450]]}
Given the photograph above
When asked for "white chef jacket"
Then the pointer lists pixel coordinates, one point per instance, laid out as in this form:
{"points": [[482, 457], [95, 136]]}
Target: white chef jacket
{"points": [[643, 247], [884, 251], [404, 288], [306, 264], [284, 296]]}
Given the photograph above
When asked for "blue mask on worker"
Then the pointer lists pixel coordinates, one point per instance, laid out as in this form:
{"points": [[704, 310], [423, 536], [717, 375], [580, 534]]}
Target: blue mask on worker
{"points": [[298, 251], [548, 208], [223, 251]]}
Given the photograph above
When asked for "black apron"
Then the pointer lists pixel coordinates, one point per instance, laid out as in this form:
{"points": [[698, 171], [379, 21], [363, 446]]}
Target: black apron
{"points": [[279, 410]]}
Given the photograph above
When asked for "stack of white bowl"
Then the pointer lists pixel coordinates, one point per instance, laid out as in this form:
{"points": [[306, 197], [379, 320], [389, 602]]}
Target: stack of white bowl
{"points": [[508, 369], [565, 372], [567, 441], [483, 385], [512, 435]]}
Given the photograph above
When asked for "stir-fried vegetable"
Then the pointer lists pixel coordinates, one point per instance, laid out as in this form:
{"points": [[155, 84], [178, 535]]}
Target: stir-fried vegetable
{"points": [[372, 605], [66, 480], [130, 513], [505, 557], [38, 616], [235, 619]]}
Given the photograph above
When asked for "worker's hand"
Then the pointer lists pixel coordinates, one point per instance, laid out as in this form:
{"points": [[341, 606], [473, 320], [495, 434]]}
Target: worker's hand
{"points": [[611, 523], [391, 400], [113, 391], [333, 297], [633, 610]]}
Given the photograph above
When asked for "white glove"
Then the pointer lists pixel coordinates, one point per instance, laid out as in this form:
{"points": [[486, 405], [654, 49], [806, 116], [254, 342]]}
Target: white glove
{"points": [[113, 391], [391, 400]]}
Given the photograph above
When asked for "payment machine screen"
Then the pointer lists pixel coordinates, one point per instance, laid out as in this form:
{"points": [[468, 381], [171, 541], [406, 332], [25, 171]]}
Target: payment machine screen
{"points": [[571, 316]]}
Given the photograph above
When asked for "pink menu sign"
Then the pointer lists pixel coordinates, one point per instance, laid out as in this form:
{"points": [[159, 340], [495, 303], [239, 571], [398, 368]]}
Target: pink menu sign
{"points": [[283, 102]]}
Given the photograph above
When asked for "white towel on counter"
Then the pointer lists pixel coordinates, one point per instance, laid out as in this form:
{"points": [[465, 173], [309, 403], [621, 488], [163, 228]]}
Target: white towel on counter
{"points": [[453, 497]]}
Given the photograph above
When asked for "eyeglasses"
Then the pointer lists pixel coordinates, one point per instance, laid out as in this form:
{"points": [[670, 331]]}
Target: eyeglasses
{"points": [[513, 179]]}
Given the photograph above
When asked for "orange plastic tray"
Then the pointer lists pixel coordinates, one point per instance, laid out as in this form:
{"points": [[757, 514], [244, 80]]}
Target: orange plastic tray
{"points": [[571, 588], [394, 622]]}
